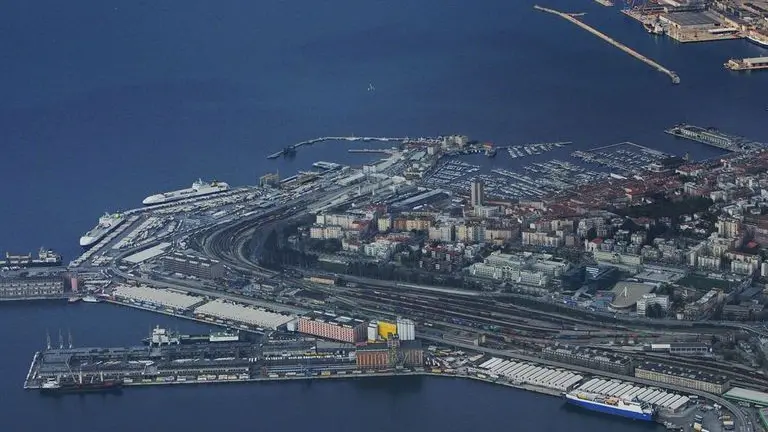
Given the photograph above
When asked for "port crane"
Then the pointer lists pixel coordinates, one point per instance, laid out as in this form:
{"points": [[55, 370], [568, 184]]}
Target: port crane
{"points": [[641, 5]]}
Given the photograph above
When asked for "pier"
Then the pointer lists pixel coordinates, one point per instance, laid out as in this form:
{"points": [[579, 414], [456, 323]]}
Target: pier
{"points": [[747, 64], [675, 78], [292, 148], [714, 138]]}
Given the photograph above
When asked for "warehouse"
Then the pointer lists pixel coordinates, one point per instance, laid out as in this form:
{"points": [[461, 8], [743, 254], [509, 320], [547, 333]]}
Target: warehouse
{"points": [[751, 397], [156, 297], [260, 318], [689, 20]]}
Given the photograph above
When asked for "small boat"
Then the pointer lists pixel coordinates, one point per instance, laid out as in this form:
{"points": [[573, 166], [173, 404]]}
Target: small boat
{"points": [[73, 299], [91, 299]]}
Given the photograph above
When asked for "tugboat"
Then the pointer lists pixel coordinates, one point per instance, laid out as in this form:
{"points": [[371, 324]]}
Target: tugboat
{"points": [[54, 386]]}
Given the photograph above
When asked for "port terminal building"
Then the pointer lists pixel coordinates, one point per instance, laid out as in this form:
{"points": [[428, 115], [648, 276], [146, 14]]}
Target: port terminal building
{"points": [[693, 379]]}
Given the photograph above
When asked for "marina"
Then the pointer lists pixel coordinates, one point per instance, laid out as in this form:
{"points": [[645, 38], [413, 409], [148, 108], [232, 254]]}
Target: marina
{"points": [[518, 151], [624, 157]]}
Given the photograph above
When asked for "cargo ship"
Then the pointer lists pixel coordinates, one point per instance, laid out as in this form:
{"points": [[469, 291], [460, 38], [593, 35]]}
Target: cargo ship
{"points": [[106, 224], [610, 405], [45, 258], [56, 386], [161, 336], [199, 188]]}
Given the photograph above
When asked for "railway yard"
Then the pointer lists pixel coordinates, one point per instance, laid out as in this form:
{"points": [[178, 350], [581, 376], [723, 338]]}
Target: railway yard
{"points": [[203, 259]]}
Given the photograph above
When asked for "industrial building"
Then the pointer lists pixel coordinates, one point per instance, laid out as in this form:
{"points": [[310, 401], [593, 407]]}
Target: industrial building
{"points": [[330, 326], [33, 287], [689, 378], [156, 297], [689, 20], [589, 357], [683, 349], [532, 374], [403, 328], [239, 313], [752, 397], [390, 354], [189, 265]]}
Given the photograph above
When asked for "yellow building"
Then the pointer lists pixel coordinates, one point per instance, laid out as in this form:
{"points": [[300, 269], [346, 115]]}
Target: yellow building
{"points": [[385, 329]]}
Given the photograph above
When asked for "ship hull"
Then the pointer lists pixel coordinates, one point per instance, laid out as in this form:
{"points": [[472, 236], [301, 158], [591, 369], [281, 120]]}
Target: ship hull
{"points": [[84, 388], [609, 410], [759, 42], [183, 194]]}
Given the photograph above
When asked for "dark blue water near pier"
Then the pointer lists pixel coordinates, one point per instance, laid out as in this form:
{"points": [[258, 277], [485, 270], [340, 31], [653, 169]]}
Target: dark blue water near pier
{"points": [[381, 404], [105, 102]]}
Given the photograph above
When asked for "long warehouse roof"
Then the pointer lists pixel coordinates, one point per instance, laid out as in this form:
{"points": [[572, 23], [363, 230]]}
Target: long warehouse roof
{"points": [[244, 314]]}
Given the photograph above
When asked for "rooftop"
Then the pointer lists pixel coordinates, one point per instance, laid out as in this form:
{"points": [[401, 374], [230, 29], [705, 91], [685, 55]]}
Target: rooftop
{"points": [[683, 373], [244, 314], [333, 318], [163, 297], [626, 294], [684, 19], [746, 395]]}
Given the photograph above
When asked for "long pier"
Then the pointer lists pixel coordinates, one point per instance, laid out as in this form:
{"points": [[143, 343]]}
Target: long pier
{"points": [[294, 147], [675, 78]]}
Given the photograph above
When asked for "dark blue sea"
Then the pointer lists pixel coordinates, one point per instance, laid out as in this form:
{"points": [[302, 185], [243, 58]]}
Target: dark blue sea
{"points": [[105, 102]]}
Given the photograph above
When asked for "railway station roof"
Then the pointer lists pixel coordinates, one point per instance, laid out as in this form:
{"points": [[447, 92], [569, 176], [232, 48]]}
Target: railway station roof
{"points": [[747, 395]]}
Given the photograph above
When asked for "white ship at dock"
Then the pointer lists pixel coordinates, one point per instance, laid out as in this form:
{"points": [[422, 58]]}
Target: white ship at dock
{"points": [[199, 188], [107, 223]]}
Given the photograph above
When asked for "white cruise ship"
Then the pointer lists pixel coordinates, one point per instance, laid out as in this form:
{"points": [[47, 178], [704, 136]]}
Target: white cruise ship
{"points": [[758, 38], [107, 223], [199, 188]]}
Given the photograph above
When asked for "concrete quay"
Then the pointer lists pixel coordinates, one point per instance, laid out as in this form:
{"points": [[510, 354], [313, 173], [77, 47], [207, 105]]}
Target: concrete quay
{"points": [[741, 419], [321, 139], [675, 78]]}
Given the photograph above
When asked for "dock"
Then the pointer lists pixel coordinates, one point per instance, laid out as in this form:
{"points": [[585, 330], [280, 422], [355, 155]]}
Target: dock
{"points": [[291, 149], [714, 138], [675, 78], [747, 64]]}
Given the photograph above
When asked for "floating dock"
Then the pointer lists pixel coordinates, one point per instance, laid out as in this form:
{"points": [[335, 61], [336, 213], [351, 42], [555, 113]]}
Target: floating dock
{"points": [[570, 17], [747, 64]]}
